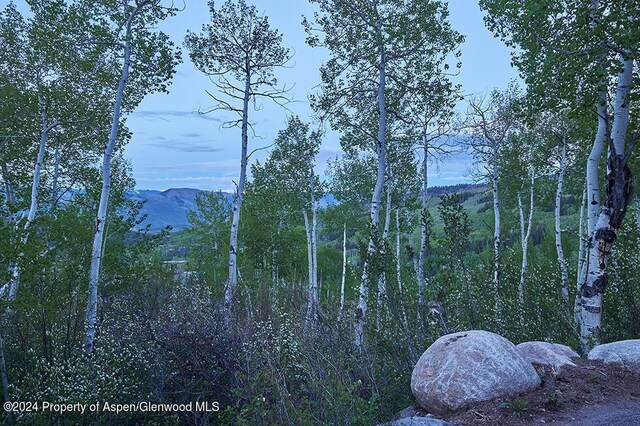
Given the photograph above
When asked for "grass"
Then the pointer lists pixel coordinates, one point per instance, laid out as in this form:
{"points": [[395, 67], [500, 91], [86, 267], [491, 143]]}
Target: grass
{"points": [[517, 406]]}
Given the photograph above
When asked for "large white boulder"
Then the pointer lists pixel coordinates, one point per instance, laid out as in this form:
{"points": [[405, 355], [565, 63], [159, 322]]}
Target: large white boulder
{"points": [[545, 353], [625, 353], [466, 367]]}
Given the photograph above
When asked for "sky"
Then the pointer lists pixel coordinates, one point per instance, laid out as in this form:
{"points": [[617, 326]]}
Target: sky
{"points": [[174, 146]]}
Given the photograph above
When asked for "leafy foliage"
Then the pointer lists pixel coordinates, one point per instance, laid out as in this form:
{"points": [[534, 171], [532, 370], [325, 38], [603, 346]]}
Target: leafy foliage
{"points": [[161, 332]]}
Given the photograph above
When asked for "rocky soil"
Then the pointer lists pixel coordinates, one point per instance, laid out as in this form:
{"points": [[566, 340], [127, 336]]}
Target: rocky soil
{"points": [[591, 393]]}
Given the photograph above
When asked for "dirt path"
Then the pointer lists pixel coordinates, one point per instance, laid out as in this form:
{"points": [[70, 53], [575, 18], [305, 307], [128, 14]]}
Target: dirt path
{"points": [[624, 412]]}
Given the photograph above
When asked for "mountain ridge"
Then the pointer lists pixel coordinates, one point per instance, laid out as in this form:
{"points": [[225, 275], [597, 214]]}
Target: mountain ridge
{"points": [[170, 206]]}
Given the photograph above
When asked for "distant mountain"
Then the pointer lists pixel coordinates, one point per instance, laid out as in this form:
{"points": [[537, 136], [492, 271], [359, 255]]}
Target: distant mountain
{"points": [[168, 207]]}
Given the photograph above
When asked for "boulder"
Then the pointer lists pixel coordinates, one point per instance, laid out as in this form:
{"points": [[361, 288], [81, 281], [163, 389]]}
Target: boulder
{"points": [[414, 415], [417, 421], [545, 353], [625, 353], [461, 368]]}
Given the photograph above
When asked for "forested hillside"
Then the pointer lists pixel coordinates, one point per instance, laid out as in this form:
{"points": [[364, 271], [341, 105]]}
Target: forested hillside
{"points": [[307, 292]]}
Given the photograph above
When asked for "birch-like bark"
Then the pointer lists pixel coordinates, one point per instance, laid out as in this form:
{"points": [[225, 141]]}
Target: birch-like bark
{"points": [[524, 248], [382, 279], [398, 264], [524, 236], [381, 151], [232, 283], [387, 212], [403, 311], [46, 127], [312, 289], [595, 155], [610, 218], [98, 232], [424, 235], [344, 269], [313, 304], [564, 268], [314, 252], [577, 306], [35, 186], [593, 164], [496, 229], [56, 176]]}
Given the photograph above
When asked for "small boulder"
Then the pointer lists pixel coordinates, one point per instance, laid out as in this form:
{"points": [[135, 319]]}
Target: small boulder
{"points": [[414, 415], [410, 411], [466, 367], [625, 353], [417, 421], [545, 353]]}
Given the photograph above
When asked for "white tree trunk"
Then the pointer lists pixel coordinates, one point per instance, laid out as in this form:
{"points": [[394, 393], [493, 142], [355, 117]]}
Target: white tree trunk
{"points": [[524, 236], [564, 269], [98, 232], [403, 311], [381, 151], [577, 306], [35, 187], [344, 269], [496, 230], [314, 251], [387, 212], [232, 283], [382, 279], [313, 307], [523, 246], [424, 235], [311, 312], [593, 164], [56, 176], [595, 156], [398, 264], [610, 218]]}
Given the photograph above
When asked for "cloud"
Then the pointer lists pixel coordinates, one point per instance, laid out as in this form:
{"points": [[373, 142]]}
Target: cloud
{"points": [[457, 179], [229, 167], [163, 114], [183, 179], [187, 146], [215, 183], [452, 170], [192, 135], [330, 150]]}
